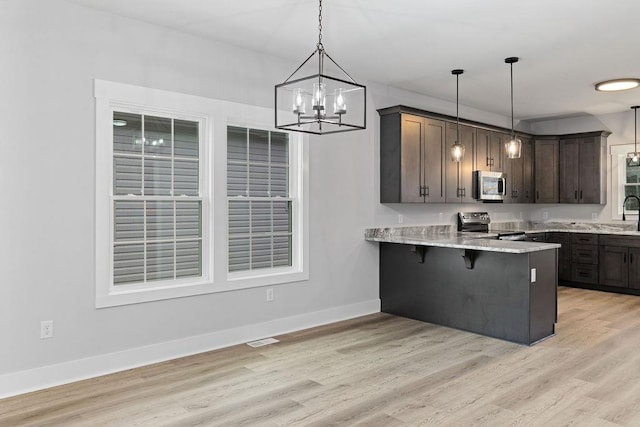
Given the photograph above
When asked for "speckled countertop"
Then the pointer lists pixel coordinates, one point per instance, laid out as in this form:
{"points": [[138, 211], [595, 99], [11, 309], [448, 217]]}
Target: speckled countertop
{"points": [[443, 237], [446, 236]]}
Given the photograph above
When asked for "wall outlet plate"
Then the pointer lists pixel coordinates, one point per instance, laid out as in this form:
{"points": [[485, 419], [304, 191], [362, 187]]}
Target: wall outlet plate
{"points": [[46, 329]]}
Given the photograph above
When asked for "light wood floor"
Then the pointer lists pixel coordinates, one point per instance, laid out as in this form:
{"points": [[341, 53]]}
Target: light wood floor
{"points": [[378, 370]]}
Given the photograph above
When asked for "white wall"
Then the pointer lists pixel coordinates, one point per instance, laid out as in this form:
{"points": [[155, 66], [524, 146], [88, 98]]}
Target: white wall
{"points": [[52, 50]]}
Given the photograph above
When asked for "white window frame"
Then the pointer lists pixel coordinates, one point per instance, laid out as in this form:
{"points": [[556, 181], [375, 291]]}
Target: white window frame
{"points": [[619, 179], [298, 158], [112, 97]]}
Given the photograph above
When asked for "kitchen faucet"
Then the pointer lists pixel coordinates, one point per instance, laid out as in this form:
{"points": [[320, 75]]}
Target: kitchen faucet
{"points": [[631, 196]]}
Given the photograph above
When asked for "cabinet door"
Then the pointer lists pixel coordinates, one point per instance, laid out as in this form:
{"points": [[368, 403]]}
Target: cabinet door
{"points": [[433, 161], [634, 268], [564, 253], [589, 170], [526, 194], [458, 175], [482, 154], [546, 170], [514, 171], [614, 270], [496, 148], [569, 170], [411, 174]]}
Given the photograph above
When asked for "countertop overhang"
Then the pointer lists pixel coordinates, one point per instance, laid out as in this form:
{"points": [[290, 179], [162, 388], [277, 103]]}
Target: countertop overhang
{"points": [[426, 236]]}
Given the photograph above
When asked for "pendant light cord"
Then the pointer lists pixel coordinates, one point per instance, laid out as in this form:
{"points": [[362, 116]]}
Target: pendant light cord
{"points": [[457, 109], [635, 129], [512, 130], [320, 46]]}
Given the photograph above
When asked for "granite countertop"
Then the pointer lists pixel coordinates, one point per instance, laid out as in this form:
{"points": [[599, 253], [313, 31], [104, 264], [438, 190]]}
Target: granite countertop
{"points": [[443, 237], [446, 236]]}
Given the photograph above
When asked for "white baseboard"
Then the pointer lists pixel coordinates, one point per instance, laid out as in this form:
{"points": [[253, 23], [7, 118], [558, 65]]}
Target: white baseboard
{"points": [[75, 370]]}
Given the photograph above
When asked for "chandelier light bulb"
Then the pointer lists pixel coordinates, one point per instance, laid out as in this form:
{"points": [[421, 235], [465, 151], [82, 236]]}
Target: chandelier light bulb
{"points": [[340, 105]]}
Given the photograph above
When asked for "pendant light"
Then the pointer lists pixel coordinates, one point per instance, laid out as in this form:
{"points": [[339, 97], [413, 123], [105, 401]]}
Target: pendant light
{"points": [[319, 103], [514, 145], [457, 149], [635, 155]]}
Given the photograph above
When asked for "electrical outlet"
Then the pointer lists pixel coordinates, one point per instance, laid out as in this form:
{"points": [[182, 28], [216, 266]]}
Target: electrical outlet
{"points": [[269, 294], [46, 329], [400, 219], [545, 215]]}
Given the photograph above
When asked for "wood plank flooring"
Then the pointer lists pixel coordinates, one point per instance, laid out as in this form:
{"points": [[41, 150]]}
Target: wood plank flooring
{"points": [[377, 370]]}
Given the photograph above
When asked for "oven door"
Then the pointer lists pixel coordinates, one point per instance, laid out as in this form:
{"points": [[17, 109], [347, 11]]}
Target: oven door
{"points": [[489, 185]]}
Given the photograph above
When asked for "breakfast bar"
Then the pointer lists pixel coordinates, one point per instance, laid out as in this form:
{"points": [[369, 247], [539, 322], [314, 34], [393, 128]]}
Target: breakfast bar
{"points": [[469, 281]]}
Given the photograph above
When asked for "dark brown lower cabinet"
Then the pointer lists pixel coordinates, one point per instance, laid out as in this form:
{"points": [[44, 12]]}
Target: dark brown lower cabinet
{"points": [[614, 266], [619, 266], [564, 253]]}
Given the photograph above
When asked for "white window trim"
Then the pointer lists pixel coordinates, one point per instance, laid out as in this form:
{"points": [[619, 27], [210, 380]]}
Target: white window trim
{"points": [[118, 97], [298, 188], [618, 179], [218, 115]]}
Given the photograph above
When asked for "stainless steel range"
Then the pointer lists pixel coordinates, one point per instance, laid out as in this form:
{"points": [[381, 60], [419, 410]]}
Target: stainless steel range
{"points": [[479, 222]]}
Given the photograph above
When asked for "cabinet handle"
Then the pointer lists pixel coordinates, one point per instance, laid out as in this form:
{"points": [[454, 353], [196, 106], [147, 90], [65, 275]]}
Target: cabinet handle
{"points": [[537, 195], [426, 190], [581, 274], [421, 193], [464, 191], [575, 195], [580, 194], [526, 194]]}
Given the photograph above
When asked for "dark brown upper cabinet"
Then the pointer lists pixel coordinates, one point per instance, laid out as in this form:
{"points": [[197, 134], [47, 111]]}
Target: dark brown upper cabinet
{"points": [[490, 150], [459, 175], [546, 170], [411, 159], [519, 174], [582, 172]]}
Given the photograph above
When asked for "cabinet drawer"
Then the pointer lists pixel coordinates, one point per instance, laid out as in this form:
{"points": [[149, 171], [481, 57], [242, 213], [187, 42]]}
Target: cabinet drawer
{"points": [[584, 238], [584, 273], [536, 237], [613, 240], [584, 254]]}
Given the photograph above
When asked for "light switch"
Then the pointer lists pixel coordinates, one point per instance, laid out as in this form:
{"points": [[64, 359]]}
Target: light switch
{"points": [[533, 275]]}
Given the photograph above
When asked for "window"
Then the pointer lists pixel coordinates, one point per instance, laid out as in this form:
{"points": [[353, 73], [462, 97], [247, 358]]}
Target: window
{"points": [[153, 239], [259, 201], [160, 200], [156, 199], [625, 181]]}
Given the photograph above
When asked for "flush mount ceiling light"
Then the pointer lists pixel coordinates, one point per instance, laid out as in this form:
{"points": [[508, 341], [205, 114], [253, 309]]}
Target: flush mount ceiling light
{"points": [[457, 149], [635, 155], [514, 145], [617, 85], [320, 103]]}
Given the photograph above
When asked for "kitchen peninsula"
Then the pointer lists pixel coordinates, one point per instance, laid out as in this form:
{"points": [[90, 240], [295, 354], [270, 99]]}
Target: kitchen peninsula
{"points": [[469, 281]]}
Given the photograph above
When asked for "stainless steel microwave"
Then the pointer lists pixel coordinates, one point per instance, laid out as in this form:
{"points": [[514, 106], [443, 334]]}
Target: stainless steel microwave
{"points": [[489, 186]]}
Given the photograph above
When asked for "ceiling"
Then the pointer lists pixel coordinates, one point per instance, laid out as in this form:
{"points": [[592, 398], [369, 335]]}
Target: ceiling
{"points": [[564, 46]]}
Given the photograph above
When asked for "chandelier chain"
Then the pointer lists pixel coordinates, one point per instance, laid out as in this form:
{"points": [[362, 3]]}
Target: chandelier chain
{"points": [[320, 46]]}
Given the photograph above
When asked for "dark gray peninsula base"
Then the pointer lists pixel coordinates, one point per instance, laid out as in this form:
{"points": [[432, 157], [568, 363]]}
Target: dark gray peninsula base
{"points": [[482, 291]]}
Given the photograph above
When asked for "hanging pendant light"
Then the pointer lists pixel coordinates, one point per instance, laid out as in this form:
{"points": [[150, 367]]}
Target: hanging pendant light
{"points": [[457, 149], [635, 155], [514, 145], [319, 103]]}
